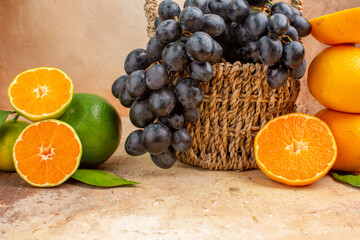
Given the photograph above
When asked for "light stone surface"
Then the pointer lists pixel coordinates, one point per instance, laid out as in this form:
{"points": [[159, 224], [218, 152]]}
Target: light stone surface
{"points": [[183, 202]]}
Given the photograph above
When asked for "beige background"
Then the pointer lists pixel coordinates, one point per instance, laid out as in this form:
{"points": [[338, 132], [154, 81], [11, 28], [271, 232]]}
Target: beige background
{"points": [[89, 40]]}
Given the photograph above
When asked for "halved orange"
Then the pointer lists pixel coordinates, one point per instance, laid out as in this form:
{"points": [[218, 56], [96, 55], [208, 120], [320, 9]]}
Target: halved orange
{"points": [[41, 93], [47, 153], [295, 149]]}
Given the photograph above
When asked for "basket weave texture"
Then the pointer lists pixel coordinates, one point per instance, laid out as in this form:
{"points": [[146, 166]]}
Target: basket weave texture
{"points": [[237, 103]]}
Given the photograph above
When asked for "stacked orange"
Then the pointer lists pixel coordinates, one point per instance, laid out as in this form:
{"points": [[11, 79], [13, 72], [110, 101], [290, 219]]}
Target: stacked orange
{"points": [[334, 81]]}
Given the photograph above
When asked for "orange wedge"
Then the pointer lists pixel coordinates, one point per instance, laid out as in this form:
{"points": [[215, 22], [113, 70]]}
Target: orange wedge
{"points": [[295, 149], [47, 153], [41, 93]]}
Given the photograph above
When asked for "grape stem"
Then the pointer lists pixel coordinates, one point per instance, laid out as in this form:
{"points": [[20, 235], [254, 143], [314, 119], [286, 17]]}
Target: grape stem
{"points": [[271, 3]]}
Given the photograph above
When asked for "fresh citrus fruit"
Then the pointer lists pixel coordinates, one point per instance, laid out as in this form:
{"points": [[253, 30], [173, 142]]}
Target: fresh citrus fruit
{"points": [[41, 93], [47, 153], [346, 130], [295, 149], [98, 125], [9, 132], [337, 28], [334, 78]]}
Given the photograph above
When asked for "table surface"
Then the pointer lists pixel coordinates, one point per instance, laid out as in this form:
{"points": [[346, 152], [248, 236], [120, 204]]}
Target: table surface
{"points": [[183, 202]]}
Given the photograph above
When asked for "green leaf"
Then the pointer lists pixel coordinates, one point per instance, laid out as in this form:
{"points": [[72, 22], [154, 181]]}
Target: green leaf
{"points": [[100, 178], [3, 116], [353, 180]]}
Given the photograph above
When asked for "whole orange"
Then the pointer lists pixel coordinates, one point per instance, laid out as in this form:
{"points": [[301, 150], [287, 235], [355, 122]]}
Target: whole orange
{"points": [[334, 78], [346, 130]]}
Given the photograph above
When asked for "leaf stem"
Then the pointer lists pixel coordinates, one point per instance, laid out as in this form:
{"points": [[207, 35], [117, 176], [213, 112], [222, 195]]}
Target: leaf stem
{"points": [[16, 117]]}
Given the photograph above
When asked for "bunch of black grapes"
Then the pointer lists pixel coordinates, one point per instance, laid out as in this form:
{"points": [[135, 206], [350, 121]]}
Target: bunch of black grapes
{"points": [[192, 40]]}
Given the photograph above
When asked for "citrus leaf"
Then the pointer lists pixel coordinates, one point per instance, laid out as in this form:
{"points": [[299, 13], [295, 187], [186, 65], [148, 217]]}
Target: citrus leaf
{"points": [[3, 116], [353, 180], [100, 178]]}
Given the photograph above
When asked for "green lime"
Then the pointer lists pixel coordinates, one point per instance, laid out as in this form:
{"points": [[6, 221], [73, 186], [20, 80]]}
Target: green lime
{"points": [[9, 132], [98, 126]]}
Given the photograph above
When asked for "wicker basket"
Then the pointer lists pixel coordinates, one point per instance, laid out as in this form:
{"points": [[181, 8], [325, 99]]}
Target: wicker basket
{"points": [[237, 103]]}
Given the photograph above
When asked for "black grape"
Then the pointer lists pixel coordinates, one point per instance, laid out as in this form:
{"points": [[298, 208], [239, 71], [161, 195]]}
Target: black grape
{"points": [[168, 31], [302, 26], [181, 140], [189, 93], [184, 39], [133, 144], [191, 19], [136, 85], [293, 54], [162, 102], [257, 2], [214, 25], [157, 22], [284, 8], [256, 25], [201, 4], [295, 11], [168, 9], [166, 159], [299, 71], [200, 46], [278, 24], [136, 60], [276, 75], [217, 53], [156, 77], [251, 53], [125, 99], [292, 33], [241, 34], [174, 120], [140, 113], [270, 50], [191, 115], [174, 57], [202, 72], [117, 84], [238, 10], [156, 138], [219, 7], [154, 49]]}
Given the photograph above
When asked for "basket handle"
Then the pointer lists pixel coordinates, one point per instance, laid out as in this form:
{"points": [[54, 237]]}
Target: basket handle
{"points": [[150, 9]]}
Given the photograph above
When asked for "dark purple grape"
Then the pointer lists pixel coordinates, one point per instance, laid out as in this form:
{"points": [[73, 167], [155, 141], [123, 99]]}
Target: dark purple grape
{"points": [[256, 25], [214, 25], [174, 57], [168, 31], [168, 9], [136, 60], [133, 144], [278, 24], [174, 120], [162, 102], [270, 50], [156, 77], [219, 7], [125, 99], [157, 22], [295, 11], [293, 54], [302, 26], [156, 138], [166, 159], [189, 93], [200, 46], [292, 33], [136, 85], [284, 8], [299, 71], [154, 49], [191, 115], [238, 10], [257, 2], [251, 53], [201, 4], [181, 140], [202, 72], [140, 113], [217, 53], [227, 37], [116, 86], [276, 75], [241, 35], [191, 19], [184, 39]]}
